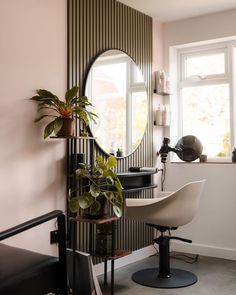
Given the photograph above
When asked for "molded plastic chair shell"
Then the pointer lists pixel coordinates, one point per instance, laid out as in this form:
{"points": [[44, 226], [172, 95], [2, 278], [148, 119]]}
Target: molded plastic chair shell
{"points": [[169, 209]]}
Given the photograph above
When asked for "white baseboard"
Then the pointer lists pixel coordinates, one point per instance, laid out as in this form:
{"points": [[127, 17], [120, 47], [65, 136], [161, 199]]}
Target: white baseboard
{"points": [[206, 250], [133, 257]]}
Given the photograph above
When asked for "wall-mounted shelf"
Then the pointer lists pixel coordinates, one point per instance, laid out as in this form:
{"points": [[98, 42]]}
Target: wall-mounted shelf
{"points": [[136, 181], [160, 125], [73, 137], [161, 93]]}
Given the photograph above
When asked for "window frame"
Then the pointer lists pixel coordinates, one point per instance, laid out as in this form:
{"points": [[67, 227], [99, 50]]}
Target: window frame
{"points": [[181, 81]]}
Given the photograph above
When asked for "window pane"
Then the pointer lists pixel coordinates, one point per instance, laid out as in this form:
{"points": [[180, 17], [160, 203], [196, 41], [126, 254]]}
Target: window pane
{"points": [[137, 75], [204, 65], [206, 115]]}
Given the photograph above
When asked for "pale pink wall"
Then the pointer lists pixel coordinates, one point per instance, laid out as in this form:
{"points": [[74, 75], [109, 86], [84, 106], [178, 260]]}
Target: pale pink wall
{"points": [[32, 55]]}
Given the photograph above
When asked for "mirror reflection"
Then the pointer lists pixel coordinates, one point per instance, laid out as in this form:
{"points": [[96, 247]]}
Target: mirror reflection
{"points": [[116, 88]]}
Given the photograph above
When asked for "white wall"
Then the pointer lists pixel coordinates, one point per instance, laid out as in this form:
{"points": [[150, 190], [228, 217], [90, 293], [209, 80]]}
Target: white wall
{"points": [[196, 29], [158, 132], [213, 230], [32, 55]]}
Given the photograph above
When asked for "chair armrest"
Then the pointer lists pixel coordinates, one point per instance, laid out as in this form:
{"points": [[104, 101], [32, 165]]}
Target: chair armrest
{"points": [[29, 224], [162, 194]]}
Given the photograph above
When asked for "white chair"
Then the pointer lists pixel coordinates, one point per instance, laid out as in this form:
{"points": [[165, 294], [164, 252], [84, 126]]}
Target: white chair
{"points": [[166, 212]]}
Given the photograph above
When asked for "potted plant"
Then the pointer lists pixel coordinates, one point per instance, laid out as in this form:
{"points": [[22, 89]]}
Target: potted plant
{"points": [[100, 185], [63, 112]]}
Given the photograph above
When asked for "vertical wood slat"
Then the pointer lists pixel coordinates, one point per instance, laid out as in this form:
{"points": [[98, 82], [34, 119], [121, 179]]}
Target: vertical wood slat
{"points": [[95, 26]]}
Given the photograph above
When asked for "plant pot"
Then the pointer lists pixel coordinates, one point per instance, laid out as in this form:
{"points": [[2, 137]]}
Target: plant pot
{"points": [[99, 214], [67, 128], [103, 244]]}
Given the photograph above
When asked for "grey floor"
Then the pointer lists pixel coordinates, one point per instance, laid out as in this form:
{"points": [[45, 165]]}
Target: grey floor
{"points": [[215, 277]]}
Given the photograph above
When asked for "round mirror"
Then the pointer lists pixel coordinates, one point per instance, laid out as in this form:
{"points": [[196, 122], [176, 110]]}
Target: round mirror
{"points": [[116, 88]]}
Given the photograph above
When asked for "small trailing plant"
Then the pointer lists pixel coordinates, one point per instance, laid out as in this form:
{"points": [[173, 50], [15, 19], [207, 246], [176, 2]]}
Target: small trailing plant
{"points": [[49, 105], [100, 183]]}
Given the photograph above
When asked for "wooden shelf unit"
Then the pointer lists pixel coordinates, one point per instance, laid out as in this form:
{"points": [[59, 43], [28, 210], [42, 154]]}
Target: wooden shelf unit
{"points": [[115, 253], [119, 253], [101, 220]]}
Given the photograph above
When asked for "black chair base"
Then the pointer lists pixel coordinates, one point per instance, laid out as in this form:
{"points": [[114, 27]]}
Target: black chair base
{"points": [[179, 278]]}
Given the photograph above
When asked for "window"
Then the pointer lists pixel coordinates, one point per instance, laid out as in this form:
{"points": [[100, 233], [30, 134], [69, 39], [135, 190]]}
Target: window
{"points": [[205, 96]]}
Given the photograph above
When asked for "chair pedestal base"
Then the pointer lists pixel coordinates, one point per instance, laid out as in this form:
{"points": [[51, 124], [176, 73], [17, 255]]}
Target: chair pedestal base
{"points": [[178, 278]]}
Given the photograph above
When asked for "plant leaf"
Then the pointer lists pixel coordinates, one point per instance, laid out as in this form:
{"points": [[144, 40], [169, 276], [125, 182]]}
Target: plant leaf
{"points": [[82, 172], [95, 207], [109, 180], [79, 172], [41, 117], [110, 173], [109, 195], [82, 115], [71, 93], [83, 100], [45, 93], [117, 209], [58, 122], [93, 114], [42, 100], [86, 200], [49, 129], [119, 188], [111, 161], [94, 191], [36, 98], [119, 198], [100, 162], [74, 204]]}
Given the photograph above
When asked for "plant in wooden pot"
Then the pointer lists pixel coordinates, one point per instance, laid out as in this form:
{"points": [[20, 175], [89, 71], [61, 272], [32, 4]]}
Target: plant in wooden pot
{"points": [[63, 112], [101, 186]]}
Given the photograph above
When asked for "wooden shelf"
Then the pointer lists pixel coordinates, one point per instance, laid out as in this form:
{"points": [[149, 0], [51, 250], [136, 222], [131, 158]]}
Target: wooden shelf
{"points": [[73, 137], [119, 253], [102, 220], [162, 93], [160, 125]]}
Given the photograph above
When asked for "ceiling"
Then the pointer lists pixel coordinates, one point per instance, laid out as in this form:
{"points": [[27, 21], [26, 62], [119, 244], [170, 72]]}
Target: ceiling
{"points": [[171, 10]]}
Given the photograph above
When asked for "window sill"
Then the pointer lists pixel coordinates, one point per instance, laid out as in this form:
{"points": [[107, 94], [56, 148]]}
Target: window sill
{"points": [[207, 162]]}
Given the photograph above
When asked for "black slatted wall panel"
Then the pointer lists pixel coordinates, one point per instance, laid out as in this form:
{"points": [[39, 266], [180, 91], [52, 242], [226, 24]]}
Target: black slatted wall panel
{"points": [[95, 26]]}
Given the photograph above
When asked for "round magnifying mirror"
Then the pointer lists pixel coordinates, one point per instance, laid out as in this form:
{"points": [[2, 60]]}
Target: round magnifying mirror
{"points": [[116, 88]]}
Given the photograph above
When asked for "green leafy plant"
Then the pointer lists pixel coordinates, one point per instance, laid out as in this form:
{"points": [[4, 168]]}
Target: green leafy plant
{"points": [[100, 183], [49, 105]]}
